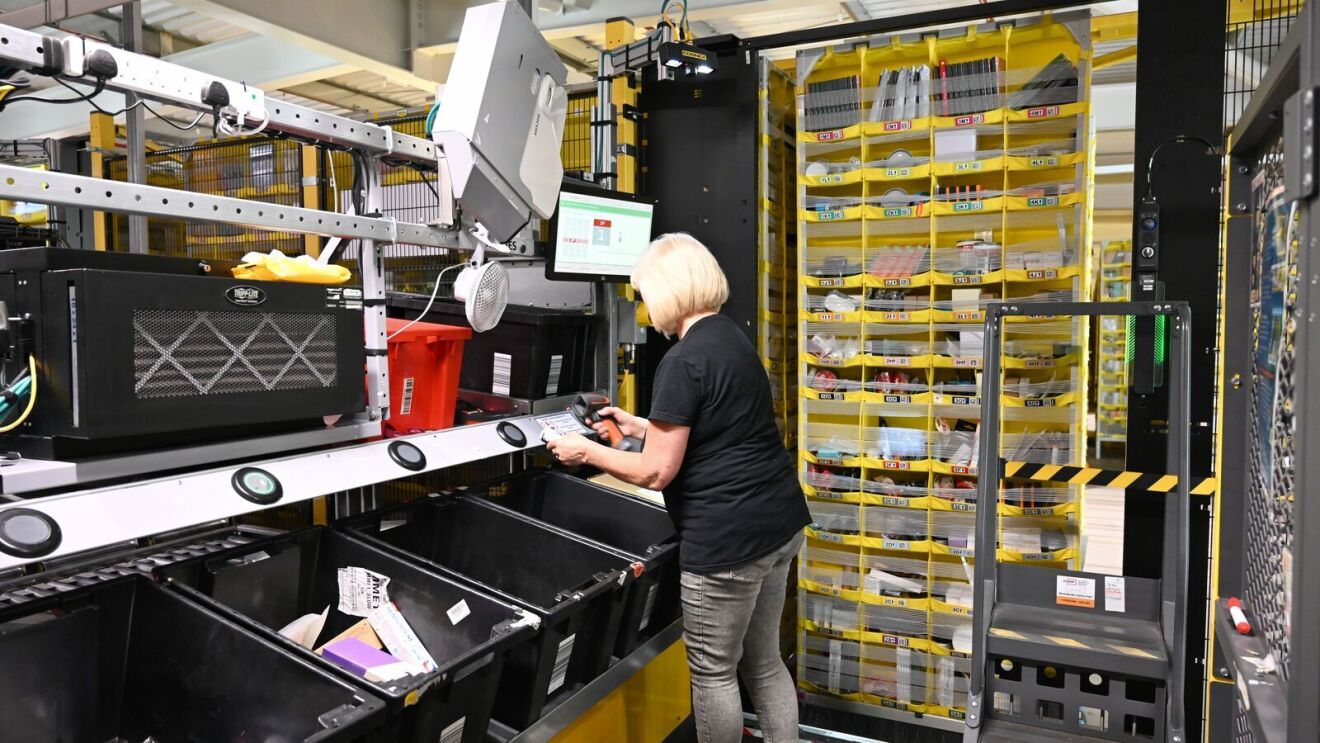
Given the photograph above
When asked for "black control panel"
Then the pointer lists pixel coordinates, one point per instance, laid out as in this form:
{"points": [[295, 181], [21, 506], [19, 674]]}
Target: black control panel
{"points": [[1146, 258]]}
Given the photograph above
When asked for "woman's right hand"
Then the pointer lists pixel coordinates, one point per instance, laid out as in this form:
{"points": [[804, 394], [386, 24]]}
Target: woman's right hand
{"points": [[629, 424]]}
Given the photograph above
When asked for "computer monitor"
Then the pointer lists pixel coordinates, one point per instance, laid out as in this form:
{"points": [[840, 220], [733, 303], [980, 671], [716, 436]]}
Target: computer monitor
{"points": [[597, 234]]}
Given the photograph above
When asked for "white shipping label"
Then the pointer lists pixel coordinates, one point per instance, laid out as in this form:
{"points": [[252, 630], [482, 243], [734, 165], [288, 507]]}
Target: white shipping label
{"points": [[458, 612], [1073, 590], [552, 380], [501, 373], [904, 675], [453, 732], [560, 673], [1115, 593], [361, 591], [836, 665]]}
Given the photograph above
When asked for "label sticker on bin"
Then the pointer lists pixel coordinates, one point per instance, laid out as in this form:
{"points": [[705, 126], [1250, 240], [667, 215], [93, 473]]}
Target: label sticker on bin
{"points": [[361, 591], [458, 612], [559, 673], [454, 732]]}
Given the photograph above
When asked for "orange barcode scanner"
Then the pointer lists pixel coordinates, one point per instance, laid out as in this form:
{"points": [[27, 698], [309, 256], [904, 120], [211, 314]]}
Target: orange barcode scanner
{"points": [[586, 408]]}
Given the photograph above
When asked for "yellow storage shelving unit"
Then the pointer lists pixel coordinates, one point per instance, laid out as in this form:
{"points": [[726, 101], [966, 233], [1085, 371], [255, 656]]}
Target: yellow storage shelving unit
{"points": [[1111, 347], [777, 164], [914, 215]]}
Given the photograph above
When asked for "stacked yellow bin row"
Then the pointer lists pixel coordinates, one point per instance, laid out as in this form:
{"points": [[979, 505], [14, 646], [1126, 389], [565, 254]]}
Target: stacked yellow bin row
{"points": [[935, 175], [1111, 358]]}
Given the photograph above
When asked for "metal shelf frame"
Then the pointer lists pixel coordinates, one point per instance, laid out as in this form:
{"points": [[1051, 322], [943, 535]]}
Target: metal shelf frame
{"points": [[134, 499], [89, 519], [1285, 102]]}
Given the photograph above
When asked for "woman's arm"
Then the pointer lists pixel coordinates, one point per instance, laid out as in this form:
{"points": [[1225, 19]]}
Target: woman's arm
{"points": [[654, 467]]}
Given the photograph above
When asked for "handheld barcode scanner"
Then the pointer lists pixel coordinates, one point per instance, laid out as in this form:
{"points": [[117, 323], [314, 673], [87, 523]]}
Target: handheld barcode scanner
{"points": [[586, 408]]}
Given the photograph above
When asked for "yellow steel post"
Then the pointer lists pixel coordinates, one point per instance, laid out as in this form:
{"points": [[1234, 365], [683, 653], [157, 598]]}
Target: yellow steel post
{"points": [[101, 141], [311, 184]]}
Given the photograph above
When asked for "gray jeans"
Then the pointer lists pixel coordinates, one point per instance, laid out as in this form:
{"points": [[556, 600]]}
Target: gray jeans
{"points": [[731, 624]]}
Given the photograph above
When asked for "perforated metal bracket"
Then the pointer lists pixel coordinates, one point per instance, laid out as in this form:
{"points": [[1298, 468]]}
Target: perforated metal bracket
{"points": [[62, 189], [39, 53], [1299, 135]]}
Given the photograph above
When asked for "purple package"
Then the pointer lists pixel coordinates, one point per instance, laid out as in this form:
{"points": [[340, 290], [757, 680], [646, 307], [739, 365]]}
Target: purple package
{"points": [[357, 656]]}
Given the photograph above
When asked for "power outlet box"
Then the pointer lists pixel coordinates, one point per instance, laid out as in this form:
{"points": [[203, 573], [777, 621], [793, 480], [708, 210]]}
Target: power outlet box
{"points": [[169, 82]]}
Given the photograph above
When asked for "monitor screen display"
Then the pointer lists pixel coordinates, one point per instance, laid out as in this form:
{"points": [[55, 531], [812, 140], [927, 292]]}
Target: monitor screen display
{"points": [[598, 236]]}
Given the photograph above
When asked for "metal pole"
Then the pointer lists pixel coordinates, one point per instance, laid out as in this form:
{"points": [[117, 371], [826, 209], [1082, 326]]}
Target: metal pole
{"points": [[603, 125], [1177, 537], [371, 263], [987, 510], [135, 121]]}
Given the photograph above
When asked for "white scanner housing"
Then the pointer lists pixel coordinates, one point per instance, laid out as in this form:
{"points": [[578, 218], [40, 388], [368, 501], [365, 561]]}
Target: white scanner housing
{"points": [[501, 120]]}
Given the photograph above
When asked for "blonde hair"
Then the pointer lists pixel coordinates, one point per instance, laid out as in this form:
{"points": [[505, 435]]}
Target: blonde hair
{"points": [[678, 277]]}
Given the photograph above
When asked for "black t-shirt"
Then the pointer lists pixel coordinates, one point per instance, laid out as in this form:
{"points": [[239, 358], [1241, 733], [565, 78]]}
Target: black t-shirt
{"points": [[736, 496]]}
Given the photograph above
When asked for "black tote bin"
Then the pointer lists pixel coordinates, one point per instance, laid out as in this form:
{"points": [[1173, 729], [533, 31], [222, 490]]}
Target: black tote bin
{"points": [[267, 584], [127, 660], [611, 518], [579, 589]]}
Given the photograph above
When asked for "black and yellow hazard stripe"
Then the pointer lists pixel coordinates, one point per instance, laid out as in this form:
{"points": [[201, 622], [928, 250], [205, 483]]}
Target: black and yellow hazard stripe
{"points": [[1156, 483]]}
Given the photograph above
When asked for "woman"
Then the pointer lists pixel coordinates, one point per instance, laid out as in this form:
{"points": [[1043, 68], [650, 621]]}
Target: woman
{"points": [[712, 446]]}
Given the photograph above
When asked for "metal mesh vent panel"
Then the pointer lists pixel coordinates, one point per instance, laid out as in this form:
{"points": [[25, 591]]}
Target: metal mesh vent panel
{"points": [[1269, 512], [183, 353]]}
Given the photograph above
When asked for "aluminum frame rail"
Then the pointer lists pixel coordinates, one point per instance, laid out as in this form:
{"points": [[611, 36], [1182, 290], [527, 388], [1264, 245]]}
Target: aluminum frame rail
{"points": [[85, 520]]}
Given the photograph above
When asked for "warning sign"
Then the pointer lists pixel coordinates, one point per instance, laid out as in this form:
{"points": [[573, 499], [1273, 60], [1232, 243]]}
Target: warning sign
{"points": [[1073, 590]]}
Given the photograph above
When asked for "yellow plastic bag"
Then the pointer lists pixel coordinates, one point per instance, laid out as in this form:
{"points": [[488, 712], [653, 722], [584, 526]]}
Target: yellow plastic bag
{"points": [[277, 266]]}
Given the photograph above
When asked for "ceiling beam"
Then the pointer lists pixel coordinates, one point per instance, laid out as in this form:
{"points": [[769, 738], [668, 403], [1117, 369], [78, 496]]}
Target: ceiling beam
{"points": [[49, 12], [855, 10], [261, 61], [375, 36]]}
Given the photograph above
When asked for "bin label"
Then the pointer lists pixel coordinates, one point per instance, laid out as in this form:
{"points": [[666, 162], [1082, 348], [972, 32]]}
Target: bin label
{"points": [[560, 673], [405, 407], [552, 380], [458, 612], [650, 607], [501, 371], [453, 733]]}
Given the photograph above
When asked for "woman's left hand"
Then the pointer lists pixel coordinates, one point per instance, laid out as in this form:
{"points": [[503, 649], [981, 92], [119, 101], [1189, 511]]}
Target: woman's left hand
{"points": [[570, 449]]}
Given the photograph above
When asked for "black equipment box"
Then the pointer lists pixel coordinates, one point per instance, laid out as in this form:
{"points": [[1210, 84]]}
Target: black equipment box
{"points": [[135, 350], [533, 353]]}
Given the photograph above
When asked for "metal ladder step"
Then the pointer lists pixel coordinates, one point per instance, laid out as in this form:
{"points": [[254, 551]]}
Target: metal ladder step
{"points": [[1115, 644]]}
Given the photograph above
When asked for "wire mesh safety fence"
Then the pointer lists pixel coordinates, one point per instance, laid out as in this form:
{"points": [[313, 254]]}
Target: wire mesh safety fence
{"points": [[1249, 48], [576, 150], [1268, 533], [260, 169]]}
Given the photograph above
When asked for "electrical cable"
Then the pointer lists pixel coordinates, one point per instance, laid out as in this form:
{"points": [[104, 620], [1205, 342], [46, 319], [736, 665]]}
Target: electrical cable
{"points": [[17, 389], [1211, 149], [430, 118], [422, 171], [32, 397], [435, 290], [100, 86], [181, 127]]}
